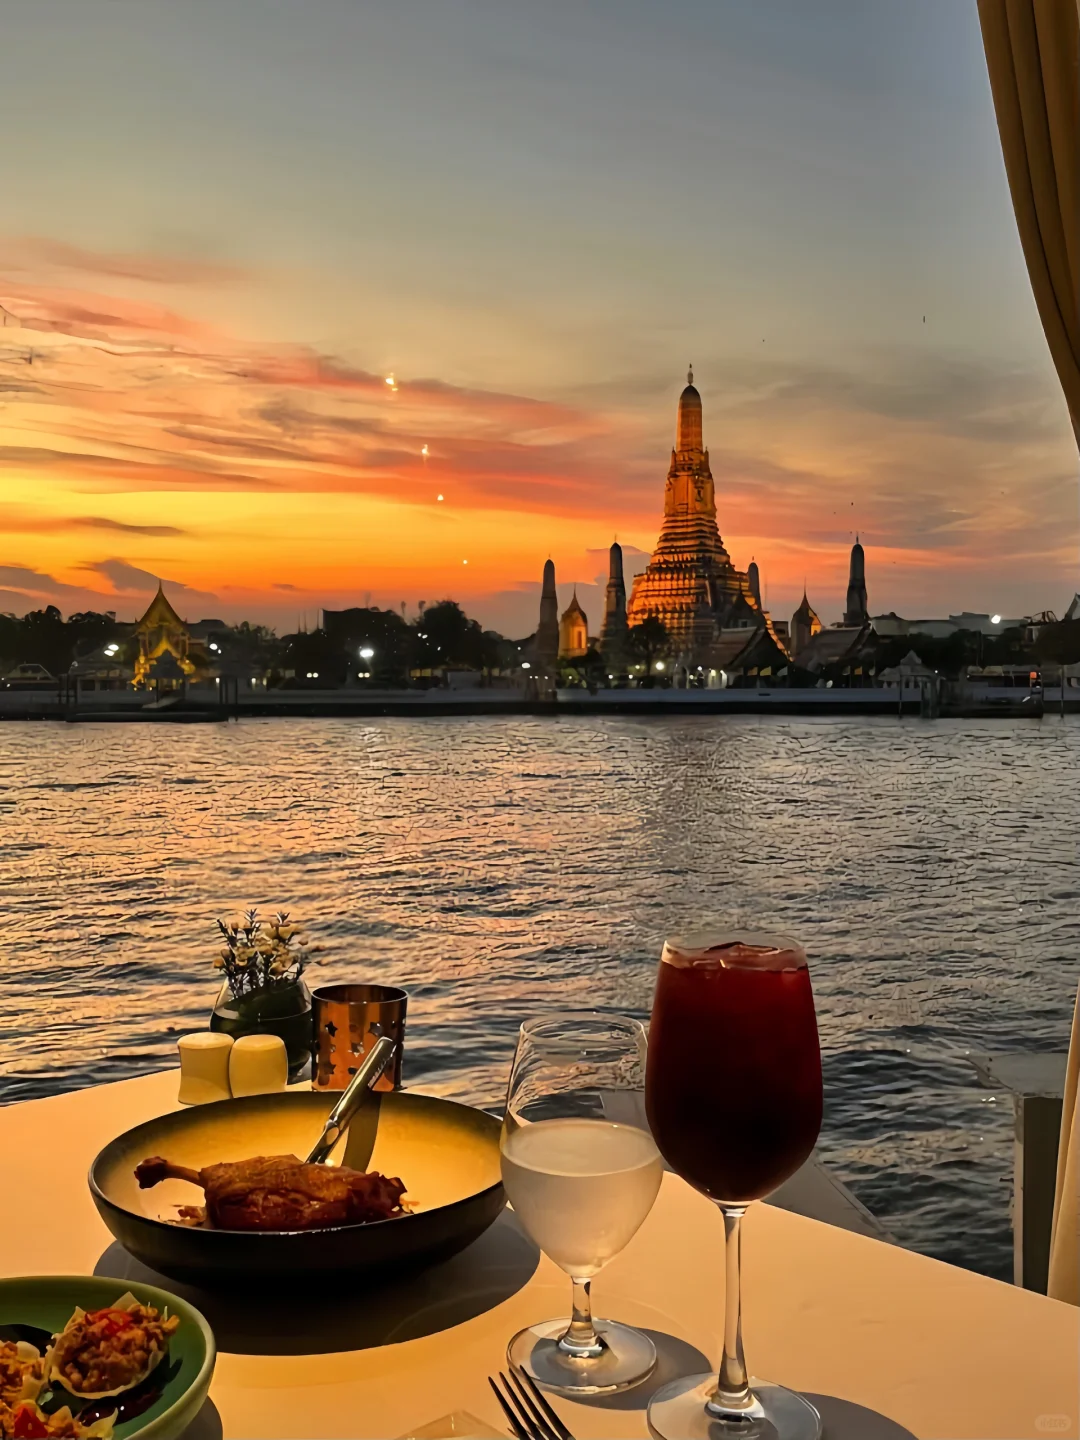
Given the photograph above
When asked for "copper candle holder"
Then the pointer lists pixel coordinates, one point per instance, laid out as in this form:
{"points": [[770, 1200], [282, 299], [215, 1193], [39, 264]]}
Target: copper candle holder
{"points": [[347, 1020]]}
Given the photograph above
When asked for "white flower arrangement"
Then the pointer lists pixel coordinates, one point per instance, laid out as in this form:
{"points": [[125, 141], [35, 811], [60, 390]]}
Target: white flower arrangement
{"points": [[261, 957]]}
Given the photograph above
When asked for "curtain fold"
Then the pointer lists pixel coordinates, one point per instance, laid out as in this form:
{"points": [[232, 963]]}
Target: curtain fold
{"points": [[1033, 57]]}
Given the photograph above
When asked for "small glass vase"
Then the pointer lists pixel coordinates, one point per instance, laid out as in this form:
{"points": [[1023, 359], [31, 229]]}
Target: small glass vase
{"points": [[283, 1010]]}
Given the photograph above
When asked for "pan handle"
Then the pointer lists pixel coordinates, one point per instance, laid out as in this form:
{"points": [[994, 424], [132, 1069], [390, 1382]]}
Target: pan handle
{"points": [[337, 1122]]}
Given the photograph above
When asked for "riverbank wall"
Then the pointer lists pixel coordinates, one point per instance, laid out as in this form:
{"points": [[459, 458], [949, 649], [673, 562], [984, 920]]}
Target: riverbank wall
{"points": [[206, 706]]}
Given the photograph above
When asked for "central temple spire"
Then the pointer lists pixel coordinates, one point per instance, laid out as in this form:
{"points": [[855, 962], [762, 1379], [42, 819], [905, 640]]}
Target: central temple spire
{"points": [[688, 429], [690, 583]]}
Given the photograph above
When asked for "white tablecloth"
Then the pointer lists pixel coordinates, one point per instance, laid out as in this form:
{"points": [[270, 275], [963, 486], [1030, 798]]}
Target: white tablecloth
{"points": [[896, 1344]]}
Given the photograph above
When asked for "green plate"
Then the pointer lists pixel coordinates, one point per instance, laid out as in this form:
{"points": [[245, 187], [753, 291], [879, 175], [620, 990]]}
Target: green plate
{"points": [[47, 1302]]}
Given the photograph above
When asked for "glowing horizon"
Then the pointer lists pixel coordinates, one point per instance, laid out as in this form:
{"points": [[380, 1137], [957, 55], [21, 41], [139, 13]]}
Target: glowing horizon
{"points": [[194, 377]]}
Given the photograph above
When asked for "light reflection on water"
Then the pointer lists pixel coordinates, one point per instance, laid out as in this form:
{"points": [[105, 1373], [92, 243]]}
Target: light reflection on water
{"points": [[496, 867]]}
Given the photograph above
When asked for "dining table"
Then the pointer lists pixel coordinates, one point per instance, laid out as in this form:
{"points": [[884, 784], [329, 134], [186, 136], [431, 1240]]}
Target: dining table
{"points": [[888, 1343]]}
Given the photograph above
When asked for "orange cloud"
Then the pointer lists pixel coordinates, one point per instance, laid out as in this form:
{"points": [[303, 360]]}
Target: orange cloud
{"points": [[148, 399], [15, 522], [126, 579], [955, 471]]}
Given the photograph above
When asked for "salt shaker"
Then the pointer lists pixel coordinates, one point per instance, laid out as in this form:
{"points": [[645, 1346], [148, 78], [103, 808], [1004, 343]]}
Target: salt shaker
{"points": [[204, 1067], [258, 1065]]}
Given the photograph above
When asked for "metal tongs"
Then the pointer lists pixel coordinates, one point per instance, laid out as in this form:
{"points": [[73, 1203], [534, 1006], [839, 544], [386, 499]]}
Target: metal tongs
{"points": [[337, 1122]]}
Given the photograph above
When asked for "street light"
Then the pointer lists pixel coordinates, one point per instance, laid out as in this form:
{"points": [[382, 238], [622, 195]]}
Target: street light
{"points": [[525, 665], [367, 653], [995, 619], [659, 665]]}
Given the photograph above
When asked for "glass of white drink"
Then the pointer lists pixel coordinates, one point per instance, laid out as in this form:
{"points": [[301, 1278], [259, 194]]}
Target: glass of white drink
{"points": [[581, 1172]]}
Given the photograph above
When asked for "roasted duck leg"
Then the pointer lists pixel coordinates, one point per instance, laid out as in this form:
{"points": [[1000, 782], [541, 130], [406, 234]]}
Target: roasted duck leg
{"points": [[154, 1170], [280, 1192]]}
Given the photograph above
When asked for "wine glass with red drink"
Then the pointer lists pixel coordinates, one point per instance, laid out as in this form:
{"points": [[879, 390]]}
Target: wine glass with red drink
{"points": [[733, 1095]]}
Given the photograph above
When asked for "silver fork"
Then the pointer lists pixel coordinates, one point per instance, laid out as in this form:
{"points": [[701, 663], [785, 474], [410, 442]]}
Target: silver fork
{"points": [[529, 1415]]}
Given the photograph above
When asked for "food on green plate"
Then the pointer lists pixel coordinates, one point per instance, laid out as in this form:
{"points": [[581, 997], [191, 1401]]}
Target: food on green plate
{"points": [[27, 1421], [100, 1353], [22, 1371]]}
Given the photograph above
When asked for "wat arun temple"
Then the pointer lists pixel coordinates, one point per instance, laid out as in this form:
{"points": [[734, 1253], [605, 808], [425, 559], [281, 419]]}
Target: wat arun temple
{"points": [[690, 583], [715, 626]]}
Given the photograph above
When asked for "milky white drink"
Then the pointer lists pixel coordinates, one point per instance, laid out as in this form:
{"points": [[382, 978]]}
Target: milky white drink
{"points": [[581, 1188]]}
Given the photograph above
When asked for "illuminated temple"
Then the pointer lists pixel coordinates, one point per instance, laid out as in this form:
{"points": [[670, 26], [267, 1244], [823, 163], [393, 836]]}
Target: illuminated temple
{"points": [[167, 653], [717, 629], [690, 583]]}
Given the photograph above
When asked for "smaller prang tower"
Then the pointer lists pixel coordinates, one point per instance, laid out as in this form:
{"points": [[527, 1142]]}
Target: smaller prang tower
{"points": [[754, 581], [613, 630], [546, 644], [856, 614]]}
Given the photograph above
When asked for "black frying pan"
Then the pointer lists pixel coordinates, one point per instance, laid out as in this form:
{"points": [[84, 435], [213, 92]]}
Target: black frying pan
{"points": [[446, 1154]]}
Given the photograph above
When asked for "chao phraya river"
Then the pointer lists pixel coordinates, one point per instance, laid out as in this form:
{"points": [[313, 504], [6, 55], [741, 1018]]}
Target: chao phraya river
{"points": [[500, 866]]}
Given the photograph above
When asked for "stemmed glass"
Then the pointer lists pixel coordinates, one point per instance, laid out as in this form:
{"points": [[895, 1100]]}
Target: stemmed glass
{"points": [[733, 1094], [581, 1176]]}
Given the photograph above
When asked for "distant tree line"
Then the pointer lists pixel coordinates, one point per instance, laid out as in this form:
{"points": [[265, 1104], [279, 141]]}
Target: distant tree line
{"points": [[444, 638], [44, 637]]}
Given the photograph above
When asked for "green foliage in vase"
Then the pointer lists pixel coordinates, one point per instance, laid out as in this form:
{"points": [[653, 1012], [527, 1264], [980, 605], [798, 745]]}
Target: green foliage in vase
{"points": [[260, 957]]}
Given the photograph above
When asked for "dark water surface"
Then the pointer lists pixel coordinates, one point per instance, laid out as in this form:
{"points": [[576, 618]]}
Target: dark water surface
{"points": [[500, 866]]}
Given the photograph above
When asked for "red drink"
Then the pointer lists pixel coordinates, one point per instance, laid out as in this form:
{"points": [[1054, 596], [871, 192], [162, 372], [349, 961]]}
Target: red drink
{"points": [[733, 1080]]}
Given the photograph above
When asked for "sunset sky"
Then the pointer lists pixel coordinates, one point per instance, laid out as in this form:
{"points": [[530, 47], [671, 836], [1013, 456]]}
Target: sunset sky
{"points": [[224, 227]]}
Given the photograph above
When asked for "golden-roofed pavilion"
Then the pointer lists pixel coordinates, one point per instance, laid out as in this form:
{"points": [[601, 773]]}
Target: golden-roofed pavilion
{"points": [[160, 634]]}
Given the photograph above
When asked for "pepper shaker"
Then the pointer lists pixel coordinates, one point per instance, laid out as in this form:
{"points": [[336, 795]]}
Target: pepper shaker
{"points": [[204, 1067]]}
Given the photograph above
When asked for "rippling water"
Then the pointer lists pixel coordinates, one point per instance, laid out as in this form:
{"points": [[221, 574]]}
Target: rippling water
{"points": [[497, 866]]}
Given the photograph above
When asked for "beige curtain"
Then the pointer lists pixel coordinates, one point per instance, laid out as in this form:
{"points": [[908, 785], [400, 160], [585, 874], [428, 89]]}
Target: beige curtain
{"points": [[1033, 56], [1065, 1238]]}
